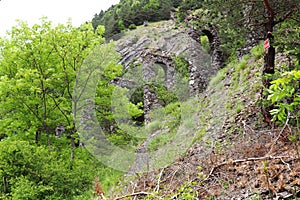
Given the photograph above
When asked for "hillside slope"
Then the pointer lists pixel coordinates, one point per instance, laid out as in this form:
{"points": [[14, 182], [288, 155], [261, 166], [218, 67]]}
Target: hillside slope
{"points": [[236, 155]]}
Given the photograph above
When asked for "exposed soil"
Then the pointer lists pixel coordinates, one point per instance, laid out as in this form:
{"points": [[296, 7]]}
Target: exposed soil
{"points": [[259, 164]]}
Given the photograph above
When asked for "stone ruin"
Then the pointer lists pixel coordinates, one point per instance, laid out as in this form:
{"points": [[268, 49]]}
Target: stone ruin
{"points": [[144, 51]]}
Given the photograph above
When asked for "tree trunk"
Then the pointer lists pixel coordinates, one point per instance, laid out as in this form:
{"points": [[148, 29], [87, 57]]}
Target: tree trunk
{"points": [[5, 185], [72, 155], [269, 65], [269, 68], [38, 135], [269, 58]]}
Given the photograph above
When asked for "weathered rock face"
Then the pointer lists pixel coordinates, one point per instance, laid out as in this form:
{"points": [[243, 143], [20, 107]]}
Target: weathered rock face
{"points": [[158, 44]]}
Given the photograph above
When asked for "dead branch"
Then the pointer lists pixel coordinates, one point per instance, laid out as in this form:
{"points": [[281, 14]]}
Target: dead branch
{"points": [[287, 164], [279, 135], [132, 195], [159, 179], [247, 127], [174, 173], [102, 197]]}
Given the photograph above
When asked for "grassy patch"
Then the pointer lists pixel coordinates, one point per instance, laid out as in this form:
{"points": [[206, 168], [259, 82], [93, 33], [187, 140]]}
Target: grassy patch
{"points": [[158, 141], [257, 52]]}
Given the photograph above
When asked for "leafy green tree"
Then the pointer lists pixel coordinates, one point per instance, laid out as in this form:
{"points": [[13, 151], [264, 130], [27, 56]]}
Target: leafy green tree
{"points": [[96, 19], [29, 171], [288, 37], [119, 17], [38, 70]]}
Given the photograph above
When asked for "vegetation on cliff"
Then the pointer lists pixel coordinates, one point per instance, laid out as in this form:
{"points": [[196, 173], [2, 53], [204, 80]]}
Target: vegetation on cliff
{"points": [[237, 149]]}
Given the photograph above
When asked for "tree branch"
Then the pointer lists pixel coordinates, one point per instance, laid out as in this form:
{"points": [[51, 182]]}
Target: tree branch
{"points": [[283, 18], [158, 182], [132, 195], [60, 109], [269, 8]]}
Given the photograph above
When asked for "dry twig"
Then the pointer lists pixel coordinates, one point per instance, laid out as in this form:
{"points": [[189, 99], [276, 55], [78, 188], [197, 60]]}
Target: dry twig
{"points": [[279, 135], [159, 179], [132, 195]]}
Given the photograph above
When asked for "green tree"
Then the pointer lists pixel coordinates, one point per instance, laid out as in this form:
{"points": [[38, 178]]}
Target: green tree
{"points": [[38, 70], [247, 21], [29, 171]]}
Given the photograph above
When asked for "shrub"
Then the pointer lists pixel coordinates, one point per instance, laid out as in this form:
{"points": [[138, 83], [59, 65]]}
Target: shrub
{"points": [[132, 26], [284, 95]]}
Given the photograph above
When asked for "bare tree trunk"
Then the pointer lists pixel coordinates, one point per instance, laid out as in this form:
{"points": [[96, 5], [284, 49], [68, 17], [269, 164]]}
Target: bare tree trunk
{"points": [[269, 57], [269, 68], [5, 184], [72, 141], [38, 135], [269, 65]]}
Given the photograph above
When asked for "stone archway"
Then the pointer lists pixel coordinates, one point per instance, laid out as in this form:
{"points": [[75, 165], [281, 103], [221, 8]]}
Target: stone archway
{"points": [[216, 54], [149, 73], [217, 59]]}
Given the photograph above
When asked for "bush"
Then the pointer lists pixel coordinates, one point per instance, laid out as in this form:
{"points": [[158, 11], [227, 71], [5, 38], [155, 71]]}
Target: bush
{"points": [[35, 172], [132, 26], [205, 43], [284, 95]]}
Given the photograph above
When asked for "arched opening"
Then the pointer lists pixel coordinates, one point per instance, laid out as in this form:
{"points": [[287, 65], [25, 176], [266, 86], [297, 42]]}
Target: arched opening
{"points": [[204, 41], [216, 53], [209, 35], [207, 38], [137, 98]]}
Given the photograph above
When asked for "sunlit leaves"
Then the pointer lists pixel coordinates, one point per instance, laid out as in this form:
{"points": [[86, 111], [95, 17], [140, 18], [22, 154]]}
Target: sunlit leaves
{"points": [[284, 95], [38, 69]]}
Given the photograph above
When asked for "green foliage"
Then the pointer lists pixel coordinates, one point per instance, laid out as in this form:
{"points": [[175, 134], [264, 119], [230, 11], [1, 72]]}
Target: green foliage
{"points": [[243, 63], [288, 37], [258, 51], [181, 66], [236, 21], [284, 95], [37, 72], [173, 111], [26, 189], [157, 142], [205, 43], [132, 26], [186, 191], [256, 197], [164, 96], [34, 172], [132, 13], [39, 65], [185, 6], [218, 77]]}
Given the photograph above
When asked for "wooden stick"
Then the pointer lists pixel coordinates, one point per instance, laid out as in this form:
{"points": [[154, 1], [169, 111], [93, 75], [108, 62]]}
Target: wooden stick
{"points": [[283, 128], [158, 181], [132, 195]]}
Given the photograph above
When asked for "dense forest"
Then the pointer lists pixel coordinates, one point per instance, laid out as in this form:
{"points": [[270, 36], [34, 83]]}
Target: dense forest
{"points": [[129, 14], [45, 69]]}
